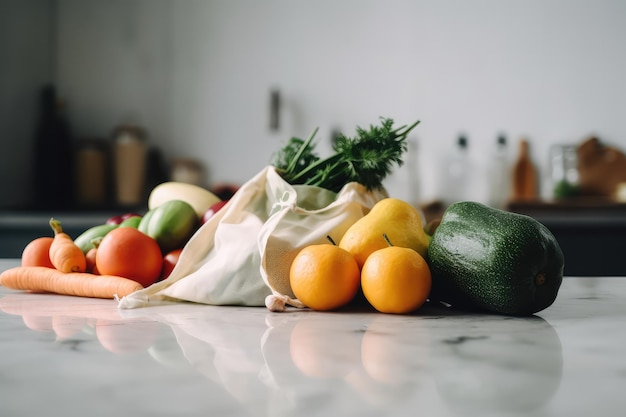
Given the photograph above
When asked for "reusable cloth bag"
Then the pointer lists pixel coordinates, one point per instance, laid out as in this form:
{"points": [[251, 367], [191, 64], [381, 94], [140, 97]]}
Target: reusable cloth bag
{"points": [[243, 253]]}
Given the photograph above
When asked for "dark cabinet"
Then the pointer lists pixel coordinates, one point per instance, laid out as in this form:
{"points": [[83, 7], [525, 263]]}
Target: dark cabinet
{"points": [[591, 234], [18, 228]]}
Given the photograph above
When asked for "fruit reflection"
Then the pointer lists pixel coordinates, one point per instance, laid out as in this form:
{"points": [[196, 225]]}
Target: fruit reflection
{"points": [[395, 350], [128, 336], [38, 323], [309, 352], [321, 347], [376, 393], [66, 326]]}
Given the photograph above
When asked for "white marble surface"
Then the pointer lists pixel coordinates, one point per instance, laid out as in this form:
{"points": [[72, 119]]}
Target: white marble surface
{"points": [[66, 356]]}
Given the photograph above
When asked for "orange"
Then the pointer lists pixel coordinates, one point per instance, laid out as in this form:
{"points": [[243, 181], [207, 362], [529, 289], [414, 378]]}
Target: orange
{"points": [[36, 253], [395, 280], [324, 277], [129, 253]]}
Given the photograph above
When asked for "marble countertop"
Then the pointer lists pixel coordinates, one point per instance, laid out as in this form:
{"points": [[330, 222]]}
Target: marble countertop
{"points": [[69, 356]]}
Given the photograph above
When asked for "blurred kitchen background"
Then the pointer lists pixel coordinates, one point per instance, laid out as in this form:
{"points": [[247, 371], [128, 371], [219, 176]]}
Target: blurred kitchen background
{"points": [[208, 90]]}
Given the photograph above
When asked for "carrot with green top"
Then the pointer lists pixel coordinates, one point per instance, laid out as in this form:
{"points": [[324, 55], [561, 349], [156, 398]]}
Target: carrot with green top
{"points": [[65, 255]]}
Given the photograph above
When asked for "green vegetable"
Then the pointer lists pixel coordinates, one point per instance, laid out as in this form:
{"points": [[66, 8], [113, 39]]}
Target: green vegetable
{"points": [[484, 258], [144, 223], [171, 224], [83, 241], [366, 158], [564, 189], [132, 221]]}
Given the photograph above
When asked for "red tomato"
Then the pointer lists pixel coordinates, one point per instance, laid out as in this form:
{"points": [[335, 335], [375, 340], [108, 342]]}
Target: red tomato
{"points": [[129, 253], [169, 262]]}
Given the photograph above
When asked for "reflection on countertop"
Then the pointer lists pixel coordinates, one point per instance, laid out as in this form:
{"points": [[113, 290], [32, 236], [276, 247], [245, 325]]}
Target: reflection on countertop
{"points": [[82, 356]]}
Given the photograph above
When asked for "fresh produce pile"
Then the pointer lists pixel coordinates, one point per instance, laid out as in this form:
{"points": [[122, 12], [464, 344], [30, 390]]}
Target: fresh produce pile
{"points": [[476, 257], [126, 253]]}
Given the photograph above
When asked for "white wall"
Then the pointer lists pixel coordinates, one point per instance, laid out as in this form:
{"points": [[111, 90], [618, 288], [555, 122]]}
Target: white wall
{"points": [[114, 64], [198, 73]]}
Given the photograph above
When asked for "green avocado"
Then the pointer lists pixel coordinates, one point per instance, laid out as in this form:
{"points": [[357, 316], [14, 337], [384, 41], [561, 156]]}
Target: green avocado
{"points": [[489, 259]]}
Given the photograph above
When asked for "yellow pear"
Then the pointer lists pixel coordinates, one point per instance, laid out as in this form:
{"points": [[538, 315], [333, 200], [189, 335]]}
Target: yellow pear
{"points": [[399, 220]]}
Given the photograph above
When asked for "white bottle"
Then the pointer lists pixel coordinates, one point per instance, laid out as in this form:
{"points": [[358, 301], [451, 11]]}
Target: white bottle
{"points": [[499, 174], [456, 172]]}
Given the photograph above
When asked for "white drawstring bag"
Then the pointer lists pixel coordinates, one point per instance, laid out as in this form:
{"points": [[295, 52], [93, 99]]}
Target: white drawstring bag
{"points": [[243, 253]]}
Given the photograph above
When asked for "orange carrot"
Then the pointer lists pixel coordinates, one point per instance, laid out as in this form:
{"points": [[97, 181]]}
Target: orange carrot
{"points": [[81, 284], [65, 255], [90, 256]]}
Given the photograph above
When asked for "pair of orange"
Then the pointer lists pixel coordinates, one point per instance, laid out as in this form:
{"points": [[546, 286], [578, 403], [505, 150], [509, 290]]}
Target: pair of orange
{"points": [[394, 279]]}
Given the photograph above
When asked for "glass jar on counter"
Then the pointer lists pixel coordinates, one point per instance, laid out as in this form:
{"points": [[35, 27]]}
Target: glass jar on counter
{"points": [[129, 164], [563, 170], [92, 172]]}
